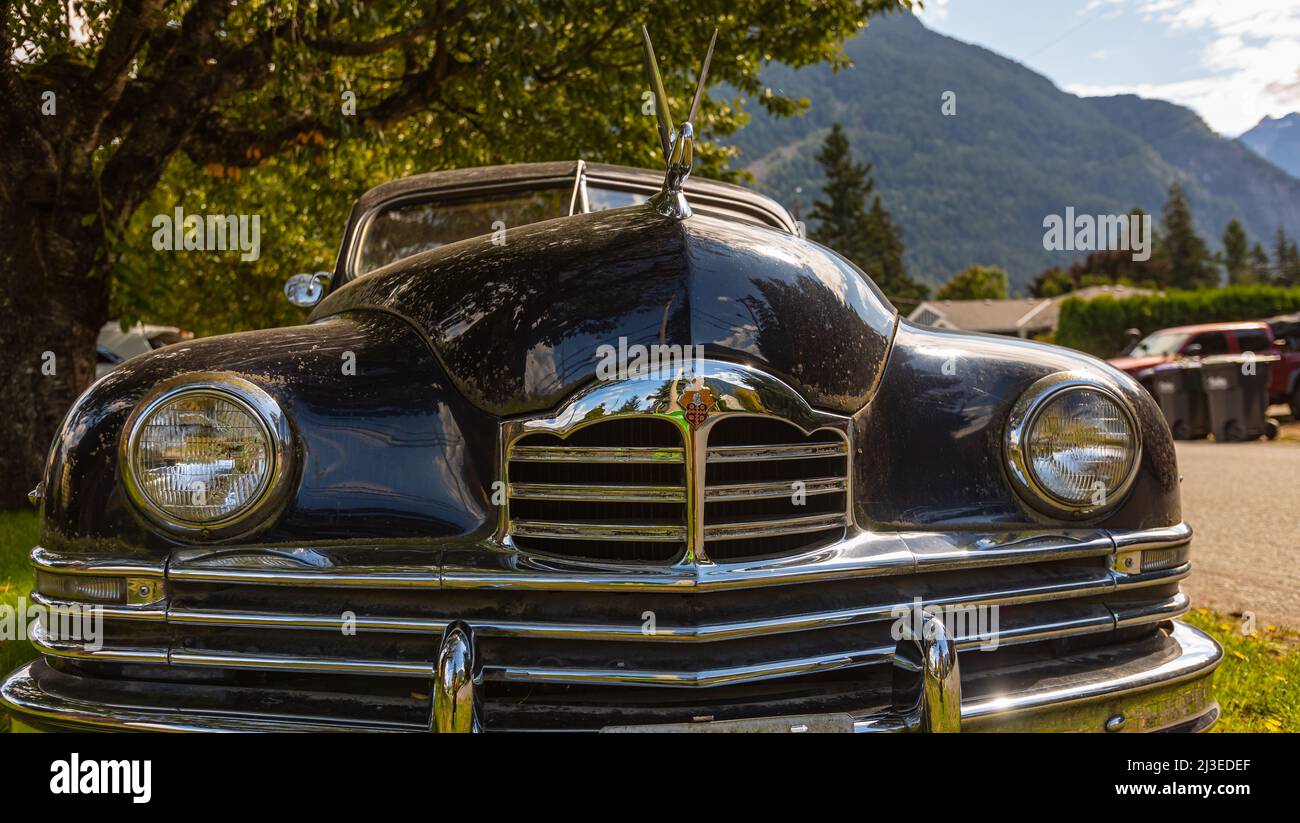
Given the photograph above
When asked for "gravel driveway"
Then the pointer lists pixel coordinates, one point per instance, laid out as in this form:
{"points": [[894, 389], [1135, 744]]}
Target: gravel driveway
{"points": [[1243, 503]]}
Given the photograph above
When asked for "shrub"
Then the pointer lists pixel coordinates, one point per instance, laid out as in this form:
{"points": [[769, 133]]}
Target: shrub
{"points": [[1097, 326]]}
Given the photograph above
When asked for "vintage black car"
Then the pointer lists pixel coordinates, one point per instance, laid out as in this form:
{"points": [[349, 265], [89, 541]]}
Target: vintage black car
{"points": [[572, 446]]}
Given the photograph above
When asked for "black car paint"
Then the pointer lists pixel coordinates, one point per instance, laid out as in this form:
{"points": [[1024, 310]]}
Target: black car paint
{"points": [[401, 456], [517, 323]]}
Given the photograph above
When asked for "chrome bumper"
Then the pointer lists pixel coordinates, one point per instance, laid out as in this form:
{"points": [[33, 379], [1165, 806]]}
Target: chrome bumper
{"points": [[1170, 693]]}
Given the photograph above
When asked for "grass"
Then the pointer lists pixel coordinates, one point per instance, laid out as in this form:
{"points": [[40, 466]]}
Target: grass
{"points": [[17, 536], [1258, 685]]}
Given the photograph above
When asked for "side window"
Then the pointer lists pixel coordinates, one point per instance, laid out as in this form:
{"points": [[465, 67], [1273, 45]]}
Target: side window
{"points": [[1254, 340], [1212, 342]]}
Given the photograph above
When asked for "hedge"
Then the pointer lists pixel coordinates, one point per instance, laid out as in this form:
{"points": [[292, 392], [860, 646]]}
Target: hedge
{"points": [[1098, 325]]}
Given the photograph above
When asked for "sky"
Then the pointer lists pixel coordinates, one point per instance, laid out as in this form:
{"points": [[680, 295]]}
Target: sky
{"points": [[1232, 61]]}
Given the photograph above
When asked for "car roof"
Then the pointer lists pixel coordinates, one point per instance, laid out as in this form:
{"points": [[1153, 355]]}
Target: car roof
{"points": [[706, 194], [558, 171]]}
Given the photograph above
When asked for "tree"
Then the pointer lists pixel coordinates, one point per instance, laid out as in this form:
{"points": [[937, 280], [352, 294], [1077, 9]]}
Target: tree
{"points": [[1259, 268], [1052, 283], [1190, 264], [1286, 260], [100, 99], [1235, 254], [975, 283], [1105, 267], [868, 237]]}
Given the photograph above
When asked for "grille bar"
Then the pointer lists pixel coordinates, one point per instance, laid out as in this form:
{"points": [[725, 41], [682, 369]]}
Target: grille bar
{"points": [[638, 493], [782, 488], [597, 454], [784, 451], [597, 531], [774, 526]]}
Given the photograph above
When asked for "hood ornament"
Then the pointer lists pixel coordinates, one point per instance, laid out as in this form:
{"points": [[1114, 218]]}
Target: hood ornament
{"points": [[678, 144]]}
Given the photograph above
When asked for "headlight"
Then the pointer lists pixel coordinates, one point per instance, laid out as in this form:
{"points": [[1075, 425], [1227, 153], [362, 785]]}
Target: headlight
{"points": [[204, 453], [1072, 445]]}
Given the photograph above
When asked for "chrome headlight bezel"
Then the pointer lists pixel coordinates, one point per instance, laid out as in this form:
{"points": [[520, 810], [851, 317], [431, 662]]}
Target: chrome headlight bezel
{"points": [[1020, 423], [251, 399]]}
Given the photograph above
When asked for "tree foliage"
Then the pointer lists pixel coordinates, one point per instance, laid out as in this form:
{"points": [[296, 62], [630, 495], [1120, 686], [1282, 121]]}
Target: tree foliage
{"points": [[976, 283], [115, 110]]}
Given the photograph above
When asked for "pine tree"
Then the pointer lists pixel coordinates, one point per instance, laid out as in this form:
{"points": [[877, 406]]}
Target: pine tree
{"points": [[869, 238], [1235, 250], [1190, 263], [1286, 260], [841, 219], [1259, 267]]}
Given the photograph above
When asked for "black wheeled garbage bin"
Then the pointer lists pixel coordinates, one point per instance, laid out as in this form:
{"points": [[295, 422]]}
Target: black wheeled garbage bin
{"points": [[1236, 390], [1177, 387]]}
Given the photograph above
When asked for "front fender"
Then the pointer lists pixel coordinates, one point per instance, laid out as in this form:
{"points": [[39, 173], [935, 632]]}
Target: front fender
{"points": [[386, 449], [931, 442]]}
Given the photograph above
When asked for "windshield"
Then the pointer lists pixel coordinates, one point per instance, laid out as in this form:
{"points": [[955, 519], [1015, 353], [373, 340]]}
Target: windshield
{"points": [[1161, 344], [410, 228]]}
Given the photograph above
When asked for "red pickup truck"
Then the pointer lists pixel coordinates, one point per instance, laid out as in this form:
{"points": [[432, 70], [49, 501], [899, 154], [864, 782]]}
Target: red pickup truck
{"points": [[1207, 339]]}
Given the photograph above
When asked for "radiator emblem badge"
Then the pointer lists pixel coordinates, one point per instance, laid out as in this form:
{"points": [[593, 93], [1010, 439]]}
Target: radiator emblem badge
{"points": [[698, 403]]}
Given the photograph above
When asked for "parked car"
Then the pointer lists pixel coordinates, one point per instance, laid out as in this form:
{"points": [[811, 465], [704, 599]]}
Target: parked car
{"points": [[116, 344], [1209, 339], [450, 502]]}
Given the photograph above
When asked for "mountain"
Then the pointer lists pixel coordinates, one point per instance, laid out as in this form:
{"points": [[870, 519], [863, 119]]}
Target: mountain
{"points": [[974, 187], [1278, 141]]}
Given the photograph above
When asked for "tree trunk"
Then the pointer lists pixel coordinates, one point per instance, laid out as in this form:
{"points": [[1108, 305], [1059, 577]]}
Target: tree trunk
{"points": [[53, 298]]}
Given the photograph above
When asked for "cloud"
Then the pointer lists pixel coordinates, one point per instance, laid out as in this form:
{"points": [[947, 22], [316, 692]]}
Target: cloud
{"points": [[1249, 63], [933, 11]]}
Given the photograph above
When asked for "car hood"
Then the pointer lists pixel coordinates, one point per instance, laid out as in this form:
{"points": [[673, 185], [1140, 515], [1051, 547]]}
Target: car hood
{"points": [[1131, 365], [522, 318]]}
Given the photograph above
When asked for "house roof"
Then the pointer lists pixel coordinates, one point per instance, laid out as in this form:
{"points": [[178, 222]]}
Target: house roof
{"points": [[1027, 315]]}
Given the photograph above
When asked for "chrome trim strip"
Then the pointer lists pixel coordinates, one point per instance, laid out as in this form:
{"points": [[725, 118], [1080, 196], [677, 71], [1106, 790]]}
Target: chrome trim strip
{"points": [[309, 622], [1200, 656], [361, 577], [787, 451], [702, 679], [109, 612], [774, 526], [1160, 537], [782, 488], [1174, 606], [573, 530], [638, 493], [44, 560], [326, 665], [77, 650], [597, 454]]}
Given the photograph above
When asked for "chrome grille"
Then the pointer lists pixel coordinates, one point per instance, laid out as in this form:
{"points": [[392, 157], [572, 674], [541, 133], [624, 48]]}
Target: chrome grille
{"points": [[613, 490], [770, 489]]}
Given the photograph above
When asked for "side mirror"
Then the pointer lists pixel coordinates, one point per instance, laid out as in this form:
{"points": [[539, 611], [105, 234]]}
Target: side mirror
{"points": [[306, 290], [1193, 350]]}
